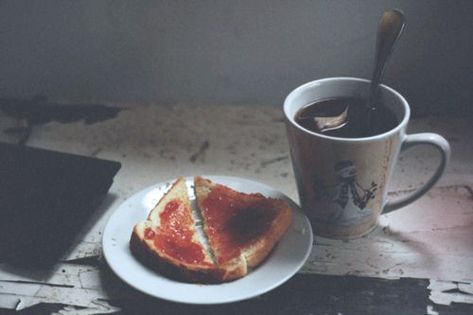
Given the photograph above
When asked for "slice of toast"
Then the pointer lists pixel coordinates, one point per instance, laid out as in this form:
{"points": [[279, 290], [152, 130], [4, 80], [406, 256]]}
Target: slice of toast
{"points": [[241, 228], [168, 241]]}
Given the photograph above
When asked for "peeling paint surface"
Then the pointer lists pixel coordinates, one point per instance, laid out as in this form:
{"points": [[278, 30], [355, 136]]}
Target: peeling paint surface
{"points": [[429, 239], [448, 292]]}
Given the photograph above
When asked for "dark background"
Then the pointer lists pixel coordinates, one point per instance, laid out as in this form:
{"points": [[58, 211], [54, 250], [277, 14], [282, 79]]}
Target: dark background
{"points": [[229, 52]]}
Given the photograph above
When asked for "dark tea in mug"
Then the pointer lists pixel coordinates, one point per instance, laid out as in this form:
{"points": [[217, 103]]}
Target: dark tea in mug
{"points": [[361, 121]]}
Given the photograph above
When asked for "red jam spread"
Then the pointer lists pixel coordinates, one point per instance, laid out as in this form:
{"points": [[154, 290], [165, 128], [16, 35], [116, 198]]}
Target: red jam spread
{"points": [[234, 220], [174, 236], [149, 233]]}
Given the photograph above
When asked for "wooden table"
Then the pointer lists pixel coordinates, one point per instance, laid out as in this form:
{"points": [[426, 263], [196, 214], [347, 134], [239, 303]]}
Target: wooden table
{"points": [[418, 261]]}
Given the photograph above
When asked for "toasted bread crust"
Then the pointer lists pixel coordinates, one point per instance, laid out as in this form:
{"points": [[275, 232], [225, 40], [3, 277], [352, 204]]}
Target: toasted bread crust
{"points": [[207, 271], [149, 251], [258, 252], [259, 248], [178, 189], [169, 267]]}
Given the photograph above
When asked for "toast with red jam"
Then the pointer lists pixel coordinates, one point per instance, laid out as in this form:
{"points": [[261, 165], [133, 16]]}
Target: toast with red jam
{"points": [[242, 229], [168, 240]]}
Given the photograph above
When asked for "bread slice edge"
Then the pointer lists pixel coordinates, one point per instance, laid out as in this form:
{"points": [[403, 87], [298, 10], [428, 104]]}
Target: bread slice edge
{"points": [[260, 248], [151, 256]]}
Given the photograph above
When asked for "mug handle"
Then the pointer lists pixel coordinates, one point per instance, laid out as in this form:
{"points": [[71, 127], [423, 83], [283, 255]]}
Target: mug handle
{"points": [[442, 146]]}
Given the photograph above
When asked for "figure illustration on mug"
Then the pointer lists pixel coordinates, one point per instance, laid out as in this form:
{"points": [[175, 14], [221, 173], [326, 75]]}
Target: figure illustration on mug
{"points": [[346, 201]]}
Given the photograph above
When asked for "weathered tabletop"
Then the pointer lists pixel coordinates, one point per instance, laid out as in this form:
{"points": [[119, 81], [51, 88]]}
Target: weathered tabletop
{"points": [[418, 261]]}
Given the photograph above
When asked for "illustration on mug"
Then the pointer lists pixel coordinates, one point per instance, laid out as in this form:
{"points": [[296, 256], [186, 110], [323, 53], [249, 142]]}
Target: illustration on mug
{"points": [[345, 201]]}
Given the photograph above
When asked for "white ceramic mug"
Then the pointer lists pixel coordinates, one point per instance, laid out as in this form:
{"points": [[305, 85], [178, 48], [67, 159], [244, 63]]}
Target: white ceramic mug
{"points": [[342, 181]]}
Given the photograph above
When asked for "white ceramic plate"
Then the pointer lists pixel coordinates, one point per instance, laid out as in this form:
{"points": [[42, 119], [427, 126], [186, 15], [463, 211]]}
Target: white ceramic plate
{"points": [[284, 261]]}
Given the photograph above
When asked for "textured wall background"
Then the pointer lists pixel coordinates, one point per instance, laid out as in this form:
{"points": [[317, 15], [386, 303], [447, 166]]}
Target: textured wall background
{"points": [[235, 52]]}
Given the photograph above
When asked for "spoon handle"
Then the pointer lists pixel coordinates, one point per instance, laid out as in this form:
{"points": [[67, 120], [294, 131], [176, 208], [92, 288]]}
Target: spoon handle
{"points": [[389, 29]]}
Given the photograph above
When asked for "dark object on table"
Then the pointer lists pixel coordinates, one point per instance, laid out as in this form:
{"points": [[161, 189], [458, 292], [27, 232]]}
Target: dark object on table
{"points": [[303, 294], [314, 294], [45, 199], [38, 111]]}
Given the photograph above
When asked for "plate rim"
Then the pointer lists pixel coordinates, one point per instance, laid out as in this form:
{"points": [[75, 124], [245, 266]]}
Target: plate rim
{"points": [[216, 178]]}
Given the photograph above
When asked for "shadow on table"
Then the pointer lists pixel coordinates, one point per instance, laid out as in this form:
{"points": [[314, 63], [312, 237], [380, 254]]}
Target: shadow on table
{"points": [[405, 242], [304, 294]]}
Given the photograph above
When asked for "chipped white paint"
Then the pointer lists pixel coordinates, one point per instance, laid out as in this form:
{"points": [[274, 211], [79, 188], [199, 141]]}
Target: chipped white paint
{"points": [[97, 307], [446, 292], [429, 239], [431, 311]]}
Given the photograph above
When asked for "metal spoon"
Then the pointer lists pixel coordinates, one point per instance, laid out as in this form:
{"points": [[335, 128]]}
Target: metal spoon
{"points": [[389, 30], [390, 27], [332, 122]]}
